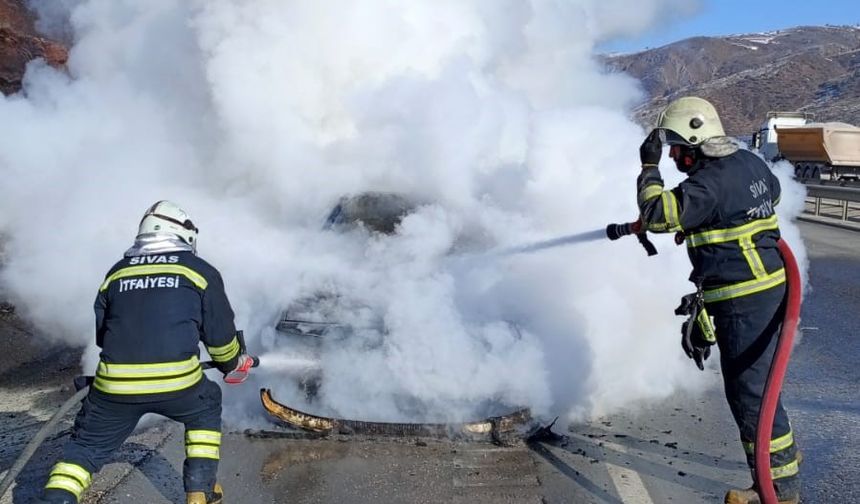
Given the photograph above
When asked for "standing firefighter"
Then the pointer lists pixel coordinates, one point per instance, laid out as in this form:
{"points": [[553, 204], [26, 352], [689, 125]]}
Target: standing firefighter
{"points": [[153, 308], [724, 210]]}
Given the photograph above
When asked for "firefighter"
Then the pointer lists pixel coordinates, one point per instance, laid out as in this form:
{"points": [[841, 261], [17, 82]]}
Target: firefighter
{"points": [[152, 309], [724, 211]]}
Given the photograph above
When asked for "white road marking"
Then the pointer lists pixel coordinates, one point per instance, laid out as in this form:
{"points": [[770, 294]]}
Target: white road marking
{"points": [[630, 486]]}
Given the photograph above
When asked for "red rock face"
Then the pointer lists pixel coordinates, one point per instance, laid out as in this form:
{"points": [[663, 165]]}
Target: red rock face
{"points": [[19, 44]]}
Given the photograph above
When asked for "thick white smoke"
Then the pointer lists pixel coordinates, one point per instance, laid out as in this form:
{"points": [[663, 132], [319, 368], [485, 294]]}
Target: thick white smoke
{"points": [[257, 115]]}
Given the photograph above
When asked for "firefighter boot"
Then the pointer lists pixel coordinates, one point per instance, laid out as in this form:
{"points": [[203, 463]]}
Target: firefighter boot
{"points": [[750, 496], [213, 497]]}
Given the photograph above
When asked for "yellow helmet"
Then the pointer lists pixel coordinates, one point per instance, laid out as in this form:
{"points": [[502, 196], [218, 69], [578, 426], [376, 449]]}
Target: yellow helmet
{"points": [[689, 121]]}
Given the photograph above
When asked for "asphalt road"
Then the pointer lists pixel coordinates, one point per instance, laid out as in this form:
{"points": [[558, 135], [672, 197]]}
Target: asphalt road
{"points": [[682, 450]]}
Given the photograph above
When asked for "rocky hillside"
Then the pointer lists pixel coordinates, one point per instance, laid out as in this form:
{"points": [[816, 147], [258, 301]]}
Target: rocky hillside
{"points": [[812, 69], [19, 43]]}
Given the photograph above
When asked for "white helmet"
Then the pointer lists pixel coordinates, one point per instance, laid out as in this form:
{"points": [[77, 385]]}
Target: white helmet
{"points": [[167, 217], [690, 121]]}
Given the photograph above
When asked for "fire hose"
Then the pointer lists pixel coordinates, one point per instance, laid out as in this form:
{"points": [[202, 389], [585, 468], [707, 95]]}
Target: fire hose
{"points": [[82, 383], [775, 377], [778, 366]]}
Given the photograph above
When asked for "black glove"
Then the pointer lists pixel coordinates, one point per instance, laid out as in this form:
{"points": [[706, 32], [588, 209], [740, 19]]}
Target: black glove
{"points": [[697, 332], [651, 149], [694, 343]]}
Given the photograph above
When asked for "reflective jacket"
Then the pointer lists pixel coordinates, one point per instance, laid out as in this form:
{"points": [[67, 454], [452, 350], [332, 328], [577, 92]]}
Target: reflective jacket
{"points": [[151, 313], [725, 208]]}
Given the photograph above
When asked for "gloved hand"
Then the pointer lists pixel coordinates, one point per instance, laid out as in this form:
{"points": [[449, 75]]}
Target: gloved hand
{"points": [[243, 368], [697, 332], [694, 343], [651, 149]]}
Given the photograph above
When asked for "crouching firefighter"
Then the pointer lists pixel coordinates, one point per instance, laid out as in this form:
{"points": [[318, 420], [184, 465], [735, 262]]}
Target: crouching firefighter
{"points": [[724, 211], [152, 309]]}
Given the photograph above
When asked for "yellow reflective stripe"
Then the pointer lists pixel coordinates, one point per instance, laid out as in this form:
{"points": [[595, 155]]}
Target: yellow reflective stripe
{"points": [[671, 210], [157, 269], [63, 482], [706, 326], [202, 443], [128, 387], [69, 477], [657, 227], [202, 451], [745, 288], [776, 445], [203, 436], [75, 470], [650, 192], [785, 471], [782, 442], [226, 352], [752, 257], [732, 234], [168, 369]]}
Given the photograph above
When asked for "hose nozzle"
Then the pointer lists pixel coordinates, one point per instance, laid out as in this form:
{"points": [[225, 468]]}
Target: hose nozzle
{"points": [[616, 231]]}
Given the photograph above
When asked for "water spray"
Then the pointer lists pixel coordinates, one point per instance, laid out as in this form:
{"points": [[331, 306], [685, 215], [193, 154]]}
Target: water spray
{"points": [[612, 231], [585, 237]]}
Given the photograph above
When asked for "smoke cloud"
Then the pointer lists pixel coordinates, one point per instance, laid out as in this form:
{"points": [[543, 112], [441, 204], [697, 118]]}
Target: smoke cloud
{"points": [[257, 116]]}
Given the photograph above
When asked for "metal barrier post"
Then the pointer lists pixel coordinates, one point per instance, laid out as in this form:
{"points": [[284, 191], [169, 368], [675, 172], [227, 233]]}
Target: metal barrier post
{"points": [[817, 207], [845, 210]]}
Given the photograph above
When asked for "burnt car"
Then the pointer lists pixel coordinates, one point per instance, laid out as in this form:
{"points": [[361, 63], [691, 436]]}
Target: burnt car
{"points": [[312, 322]]}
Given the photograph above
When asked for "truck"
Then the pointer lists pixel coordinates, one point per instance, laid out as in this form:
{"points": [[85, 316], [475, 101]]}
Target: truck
{"points": [[816, 150]]}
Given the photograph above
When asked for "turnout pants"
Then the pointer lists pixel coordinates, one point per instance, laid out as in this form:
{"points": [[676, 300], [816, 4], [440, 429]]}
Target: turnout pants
{"points": [[103, 424], [747, 331]]}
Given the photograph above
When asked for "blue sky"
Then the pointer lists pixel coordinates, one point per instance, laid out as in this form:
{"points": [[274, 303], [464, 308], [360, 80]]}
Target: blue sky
{"points": [[725, 17]]}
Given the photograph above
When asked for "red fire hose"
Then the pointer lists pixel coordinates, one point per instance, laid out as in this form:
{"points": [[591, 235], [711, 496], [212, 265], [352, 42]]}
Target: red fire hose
{"points": [[775, 378]]}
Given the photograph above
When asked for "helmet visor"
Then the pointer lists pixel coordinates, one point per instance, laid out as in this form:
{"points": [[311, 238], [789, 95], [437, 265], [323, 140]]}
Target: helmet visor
{"points": [[670, 137]]}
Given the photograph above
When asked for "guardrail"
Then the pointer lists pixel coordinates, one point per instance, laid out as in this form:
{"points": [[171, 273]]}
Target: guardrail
{"points": [[834, 192]]}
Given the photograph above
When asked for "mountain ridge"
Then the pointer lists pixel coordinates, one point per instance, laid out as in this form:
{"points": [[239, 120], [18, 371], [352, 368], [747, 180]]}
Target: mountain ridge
{"points": [[813, 69]]}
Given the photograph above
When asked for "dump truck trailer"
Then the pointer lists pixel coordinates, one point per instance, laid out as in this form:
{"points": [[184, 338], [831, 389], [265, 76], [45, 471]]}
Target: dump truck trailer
{"points": [[815, 149], [822, 148]]}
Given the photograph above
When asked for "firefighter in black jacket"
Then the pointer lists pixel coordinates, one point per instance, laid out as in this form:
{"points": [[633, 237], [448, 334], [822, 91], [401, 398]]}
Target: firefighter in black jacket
{"points": [[152, 309], [724, 210]]}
